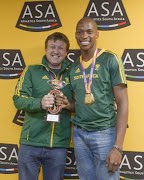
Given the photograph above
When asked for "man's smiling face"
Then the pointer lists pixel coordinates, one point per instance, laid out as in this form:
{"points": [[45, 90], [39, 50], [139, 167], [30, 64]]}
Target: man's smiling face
{"points": [[55, 53], [86, 34]]}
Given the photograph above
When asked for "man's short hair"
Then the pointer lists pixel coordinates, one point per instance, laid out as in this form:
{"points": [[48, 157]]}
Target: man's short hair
{"points": [[86, 19], [58, 36]]}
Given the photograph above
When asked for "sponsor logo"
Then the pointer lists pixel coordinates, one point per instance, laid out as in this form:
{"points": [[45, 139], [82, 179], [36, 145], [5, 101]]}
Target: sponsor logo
{"points": [[72, 55], [45, 77], [108, 14], [70, 168], [8, 158], [11, 64], [132, 166], [133, 61], [38, 16], [78, 70], [87, 76], [19, 118]]}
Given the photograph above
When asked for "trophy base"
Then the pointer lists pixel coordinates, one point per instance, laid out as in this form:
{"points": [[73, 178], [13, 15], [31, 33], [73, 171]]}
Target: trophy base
{"points": [[52, 118]]}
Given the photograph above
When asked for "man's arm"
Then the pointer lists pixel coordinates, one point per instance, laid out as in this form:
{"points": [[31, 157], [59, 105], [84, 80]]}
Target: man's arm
{"points": [[120, 93], [23, 99], [121, 97]]}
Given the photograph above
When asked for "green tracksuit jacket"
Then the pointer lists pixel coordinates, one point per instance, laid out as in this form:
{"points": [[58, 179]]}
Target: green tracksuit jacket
{"points": [[30, 89]]}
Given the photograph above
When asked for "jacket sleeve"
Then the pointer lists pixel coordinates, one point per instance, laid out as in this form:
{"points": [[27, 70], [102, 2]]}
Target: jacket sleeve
{"points": [[22, 98]]}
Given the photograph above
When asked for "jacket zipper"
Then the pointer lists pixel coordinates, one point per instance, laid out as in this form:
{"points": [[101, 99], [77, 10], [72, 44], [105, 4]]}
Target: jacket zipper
{"points": [[52, 133], [53, 125]]}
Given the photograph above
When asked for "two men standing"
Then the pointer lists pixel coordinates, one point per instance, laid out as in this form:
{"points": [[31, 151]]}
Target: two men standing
{"points": [[96, 78]]}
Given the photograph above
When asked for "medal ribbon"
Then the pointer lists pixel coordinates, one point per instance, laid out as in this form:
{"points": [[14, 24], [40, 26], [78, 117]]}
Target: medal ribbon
{"points": [[88, 85], [53, 78]]}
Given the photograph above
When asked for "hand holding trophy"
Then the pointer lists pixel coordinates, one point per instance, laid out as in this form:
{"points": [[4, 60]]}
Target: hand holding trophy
{"points": [[53, 113]]}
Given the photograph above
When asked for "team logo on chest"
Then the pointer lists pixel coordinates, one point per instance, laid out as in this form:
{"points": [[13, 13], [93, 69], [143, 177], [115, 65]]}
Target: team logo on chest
{"points": [[97, 67], [67, 80]]}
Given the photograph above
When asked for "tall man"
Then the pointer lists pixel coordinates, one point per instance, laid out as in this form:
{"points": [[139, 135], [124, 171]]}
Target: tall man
{"points": [[44, 143], [96, 79]]}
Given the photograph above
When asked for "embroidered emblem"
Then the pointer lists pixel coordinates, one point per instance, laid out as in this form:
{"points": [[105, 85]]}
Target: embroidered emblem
{"points": [[97, 67], [67, 80]]}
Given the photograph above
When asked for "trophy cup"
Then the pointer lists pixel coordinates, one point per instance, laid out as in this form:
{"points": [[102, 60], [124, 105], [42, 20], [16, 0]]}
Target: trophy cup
{"points": [[53, 114]]}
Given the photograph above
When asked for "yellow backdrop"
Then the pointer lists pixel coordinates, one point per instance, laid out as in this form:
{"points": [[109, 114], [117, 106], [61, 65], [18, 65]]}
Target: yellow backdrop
{"points": [[31, 45]]}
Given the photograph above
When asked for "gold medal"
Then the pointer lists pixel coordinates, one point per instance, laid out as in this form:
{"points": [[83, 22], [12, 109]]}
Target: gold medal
{"points": [[89, 99]]}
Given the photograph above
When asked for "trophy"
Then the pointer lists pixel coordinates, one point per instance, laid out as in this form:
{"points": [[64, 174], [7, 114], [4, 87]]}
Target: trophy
{"points": [[53, 114]]}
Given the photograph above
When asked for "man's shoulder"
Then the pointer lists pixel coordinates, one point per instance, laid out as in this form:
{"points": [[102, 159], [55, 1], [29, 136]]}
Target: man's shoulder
{"points": [[108, 57], [110, 53], [34, 66]]}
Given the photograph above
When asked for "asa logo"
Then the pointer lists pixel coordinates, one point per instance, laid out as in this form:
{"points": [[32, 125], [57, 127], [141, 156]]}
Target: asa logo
{"points": [[19, 118], [70, 168], [133, 61], [8, 158], [38, 16], [72, 55], [108, 14], [132, 165], [11, 64]]}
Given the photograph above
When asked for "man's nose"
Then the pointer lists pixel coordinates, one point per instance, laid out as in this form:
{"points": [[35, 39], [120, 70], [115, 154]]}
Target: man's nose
{"points": [[56, 50], [84, 35]]}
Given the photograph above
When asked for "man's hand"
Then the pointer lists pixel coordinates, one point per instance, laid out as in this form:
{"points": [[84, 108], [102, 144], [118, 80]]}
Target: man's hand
{"points": [[62, 101], [47, 101], [113, 160]]}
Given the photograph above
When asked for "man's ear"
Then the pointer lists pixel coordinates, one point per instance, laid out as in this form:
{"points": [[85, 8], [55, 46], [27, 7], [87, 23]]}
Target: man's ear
{"points": [[66, 54], [97, 35]]}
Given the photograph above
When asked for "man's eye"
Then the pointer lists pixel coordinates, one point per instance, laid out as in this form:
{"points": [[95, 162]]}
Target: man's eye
{"points": [[61, 48], [90, 32], [79, 32]]}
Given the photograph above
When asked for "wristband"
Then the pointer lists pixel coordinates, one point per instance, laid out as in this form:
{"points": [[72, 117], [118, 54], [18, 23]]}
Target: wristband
{"points": [[115, 146]]}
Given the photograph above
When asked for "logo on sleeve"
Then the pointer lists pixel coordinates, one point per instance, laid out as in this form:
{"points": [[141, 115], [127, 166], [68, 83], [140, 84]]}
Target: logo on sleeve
{"points": [[108, 14], [38, 16], [133, 61], [11, 64]]}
